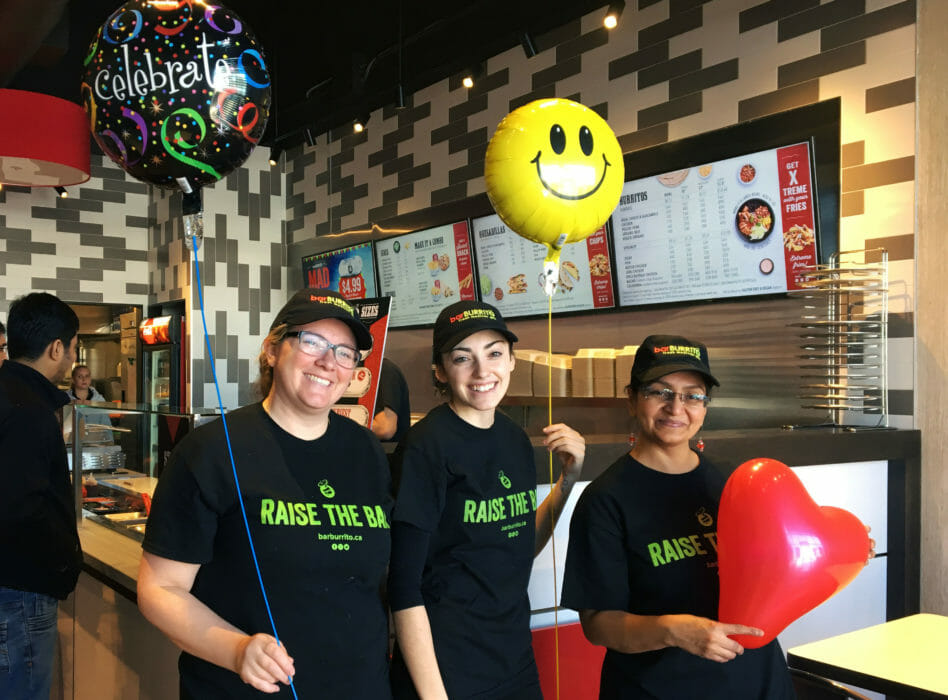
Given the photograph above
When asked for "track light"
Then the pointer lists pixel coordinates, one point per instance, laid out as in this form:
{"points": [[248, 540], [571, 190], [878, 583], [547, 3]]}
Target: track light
{"points": [[472, 74], [526, 41], [275, 153], [400, 102], [62, 192], [358, 126], [611, 20]]}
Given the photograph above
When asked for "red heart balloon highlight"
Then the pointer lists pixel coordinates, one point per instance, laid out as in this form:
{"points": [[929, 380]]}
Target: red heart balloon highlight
{"points": [[779, 553]]}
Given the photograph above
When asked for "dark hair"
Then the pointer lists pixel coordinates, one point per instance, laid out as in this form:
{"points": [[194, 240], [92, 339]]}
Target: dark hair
{"points": [[3, 330], [35, 321]]}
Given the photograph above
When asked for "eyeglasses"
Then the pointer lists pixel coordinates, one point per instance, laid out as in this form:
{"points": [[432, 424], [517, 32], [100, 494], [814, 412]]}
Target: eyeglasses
{"points": [[317, 346], [690, 399]]}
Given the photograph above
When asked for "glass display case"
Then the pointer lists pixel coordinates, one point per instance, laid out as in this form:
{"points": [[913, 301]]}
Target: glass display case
{"points": [[116, 455]]}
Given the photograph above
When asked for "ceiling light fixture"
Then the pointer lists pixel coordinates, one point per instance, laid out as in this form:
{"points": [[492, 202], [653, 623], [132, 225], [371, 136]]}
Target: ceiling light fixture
{"points": [[611, 20], [358, 126], [526, 41], [61, 191], [275, 153], [44, 140], [472, 74]]}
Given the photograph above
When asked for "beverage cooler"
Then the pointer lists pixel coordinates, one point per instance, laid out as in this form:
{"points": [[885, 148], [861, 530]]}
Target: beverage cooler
{"points": [[163, 362]]}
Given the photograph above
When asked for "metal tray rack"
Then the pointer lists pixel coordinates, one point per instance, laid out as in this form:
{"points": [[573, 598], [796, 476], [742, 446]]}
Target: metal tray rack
{"points": [[843, 334]]}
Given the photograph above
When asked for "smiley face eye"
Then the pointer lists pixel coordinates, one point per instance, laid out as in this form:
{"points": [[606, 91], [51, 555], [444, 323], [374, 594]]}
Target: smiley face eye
{"points": [[585, 140], [557, 139]]}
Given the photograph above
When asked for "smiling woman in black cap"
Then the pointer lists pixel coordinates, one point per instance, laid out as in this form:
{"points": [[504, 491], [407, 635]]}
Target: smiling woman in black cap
{"points": [[317, 494], [467, 525], [641, 568]]}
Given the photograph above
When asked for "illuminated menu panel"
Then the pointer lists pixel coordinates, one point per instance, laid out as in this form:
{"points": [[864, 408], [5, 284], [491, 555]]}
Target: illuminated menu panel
{"points": [[349, 271], [510, 266], [738, 227], [425, 271]]}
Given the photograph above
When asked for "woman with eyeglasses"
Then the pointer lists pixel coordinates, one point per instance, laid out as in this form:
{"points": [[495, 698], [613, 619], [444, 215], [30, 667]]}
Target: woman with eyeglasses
{"points": [[316, 490], [641, 567], [467, 524]]}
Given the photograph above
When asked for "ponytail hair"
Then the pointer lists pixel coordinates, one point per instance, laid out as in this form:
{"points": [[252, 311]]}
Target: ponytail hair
{"points": [[264, 381]]}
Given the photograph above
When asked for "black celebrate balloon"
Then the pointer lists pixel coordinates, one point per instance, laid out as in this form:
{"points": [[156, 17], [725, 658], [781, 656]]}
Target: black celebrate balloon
{"points": [[177, 91]]}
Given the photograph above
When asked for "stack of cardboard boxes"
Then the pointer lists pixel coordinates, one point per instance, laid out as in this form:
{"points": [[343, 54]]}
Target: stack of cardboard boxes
{"points": [[591, 372]]}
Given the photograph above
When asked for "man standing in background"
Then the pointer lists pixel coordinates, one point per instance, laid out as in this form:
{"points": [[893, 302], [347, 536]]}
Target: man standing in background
{"points": [[392, 405], [3, 343], [40, 555]]}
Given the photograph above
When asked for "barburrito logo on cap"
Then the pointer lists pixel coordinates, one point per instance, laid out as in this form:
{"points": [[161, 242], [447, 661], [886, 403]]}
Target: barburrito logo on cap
{"points": [[471, 314], [689, 350], [333, 300]]}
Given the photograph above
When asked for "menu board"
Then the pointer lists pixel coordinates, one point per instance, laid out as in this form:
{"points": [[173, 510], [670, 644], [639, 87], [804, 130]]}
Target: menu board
{"points": [[349, 271], [732, 228], [510, 271], [358, 401], [425, 271]]}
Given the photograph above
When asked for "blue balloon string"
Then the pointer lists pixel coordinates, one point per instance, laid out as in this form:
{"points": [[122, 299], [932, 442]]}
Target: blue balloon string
{"points": [[230, 451]]}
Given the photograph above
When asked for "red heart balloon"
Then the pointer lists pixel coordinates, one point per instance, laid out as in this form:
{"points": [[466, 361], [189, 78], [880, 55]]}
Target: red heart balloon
{"points": [[779, 553]]}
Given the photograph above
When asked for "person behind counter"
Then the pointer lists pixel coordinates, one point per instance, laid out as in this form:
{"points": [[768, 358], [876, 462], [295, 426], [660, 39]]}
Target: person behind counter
{"points": [[656, 615], [81, 388], [393, 416], [317, 492], [465, 532], [40, 556]]}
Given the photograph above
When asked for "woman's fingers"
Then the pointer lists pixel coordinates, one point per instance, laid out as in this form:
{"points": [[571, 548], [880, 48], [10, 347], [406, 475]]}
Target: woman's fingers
{"points": [[265, 663], [730, 629]]}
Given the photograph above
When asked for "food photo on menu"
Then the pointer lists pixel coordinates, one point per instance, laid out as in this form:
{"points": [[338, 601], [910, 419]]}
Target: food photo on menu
{"points": [[707, 231], [510, 271], [424, 271]]}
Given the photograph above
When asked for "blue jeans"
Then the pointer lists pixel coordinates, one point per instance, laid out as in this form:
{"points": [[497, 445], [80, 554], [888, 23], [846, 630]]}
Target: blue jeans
{"points": [[27, 644]]}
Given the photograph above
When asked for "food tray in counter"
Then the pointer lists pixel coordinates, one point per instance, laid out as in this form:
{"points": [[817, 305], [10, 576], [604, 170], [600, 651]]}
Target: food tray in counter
{"points": [[134, 485]]}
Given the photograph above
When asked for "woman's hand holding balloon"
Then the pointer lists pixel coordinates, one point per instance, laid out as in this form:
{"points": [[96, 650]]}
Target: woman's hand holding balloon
{"points": [[570, 446], [706, 638], [262, 662]]}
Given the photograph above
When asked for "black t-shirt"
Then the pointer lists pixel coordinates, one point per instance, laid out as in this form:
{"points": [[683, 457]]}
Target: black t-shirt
{"points": [[39, 545], [319, 512], [645, 542], [474, 491], [393, 394]]}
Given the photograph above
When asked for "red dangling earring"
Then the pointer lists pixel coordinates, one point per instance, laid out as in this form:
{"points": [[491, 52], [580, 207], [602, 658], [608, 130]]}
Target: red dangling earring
{"points": [[631, 440], [700, 445]]}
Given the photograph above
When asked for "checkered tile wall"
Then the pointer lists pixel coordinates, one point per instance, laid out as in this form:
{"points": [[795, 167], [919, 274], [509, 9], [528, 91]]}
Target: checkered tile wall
{"points": [[673, 68]]}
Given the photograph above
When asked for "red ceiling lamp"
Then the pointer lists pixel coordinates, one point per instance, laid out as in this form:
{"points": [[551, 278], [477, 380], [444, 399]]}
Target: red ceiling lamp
{"points": [[44, 140]]}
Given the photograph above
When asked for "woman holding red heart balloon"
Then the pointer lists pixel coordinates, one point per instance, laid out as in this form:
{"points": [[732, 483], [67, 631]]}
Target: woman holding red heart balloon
{"points": [[641, 568]]}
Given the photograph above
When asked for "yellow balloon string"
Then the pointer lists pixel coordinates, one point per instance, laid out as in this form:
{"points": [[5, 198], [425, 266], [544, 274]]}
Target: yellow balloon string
{"points": [[549, 411]]}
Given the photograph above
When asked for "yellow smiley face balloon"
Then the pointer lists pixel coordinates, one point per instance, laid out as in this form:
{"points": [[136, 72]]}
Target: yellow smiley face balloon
{"points": [[554, 172]]}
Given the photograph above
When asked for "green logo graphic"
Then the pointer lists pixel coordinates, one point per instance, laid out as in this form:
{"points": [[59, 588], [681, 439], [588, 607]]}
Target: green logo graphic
{"points": [[325, 489], [504, 479]]}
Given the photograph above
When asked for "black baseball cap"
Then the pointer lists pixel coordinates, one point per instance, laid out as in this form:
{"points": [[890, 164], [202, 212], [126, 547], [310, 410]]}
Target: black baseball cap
{"points": [[312, 304], [659, 355], [464, 318]]}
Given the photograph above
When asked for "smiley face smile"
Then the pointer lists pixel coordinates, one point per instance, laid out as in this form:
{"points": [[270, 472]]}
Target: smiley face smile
{"points": [[572, 197]]}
